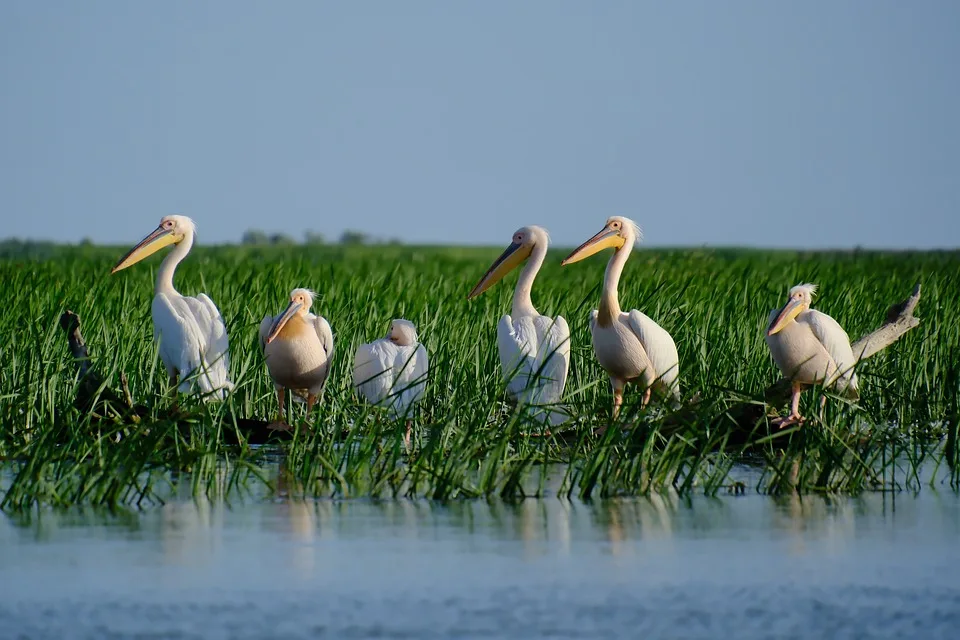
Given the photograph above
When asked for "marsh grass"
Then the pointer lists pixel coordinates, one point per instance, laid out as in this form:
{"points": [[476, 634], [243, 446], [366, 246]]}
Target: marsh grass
{"points": [[469, 442]]}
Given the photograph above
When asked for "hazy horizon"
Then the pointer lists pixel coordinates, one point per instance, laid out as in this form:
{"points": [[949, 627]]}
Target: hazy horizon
{"points": [[743, 124]]}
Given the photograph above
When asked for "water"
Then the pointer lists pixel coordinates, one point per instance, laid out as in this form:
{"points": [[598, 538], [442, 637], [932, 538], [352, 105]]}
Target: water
{"points": [[734, 567]]}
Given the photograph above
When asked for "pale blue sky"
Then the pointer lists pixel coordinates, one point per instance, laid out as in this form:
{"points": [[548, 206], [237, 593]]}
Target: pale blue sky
{"points": [[807, 124]]}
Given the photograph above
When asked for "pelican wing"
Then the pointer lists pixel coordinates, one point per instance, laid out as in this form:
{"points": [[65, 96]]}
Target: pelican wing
{"points": [[373, 370], [835, 340], [325, 333], [661, 350], [193, 342], [265, 326], [218, 346], [410, 376], [535, 356]]}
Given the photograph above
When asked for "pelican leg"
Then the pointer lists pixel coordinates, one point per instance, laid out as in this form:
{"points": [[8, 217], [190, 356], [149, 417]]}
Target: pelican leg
{"points": [[406, 435], [794, 417], [617, 397], [175, 406], [280, 423], [646, 396], [617, 402]]}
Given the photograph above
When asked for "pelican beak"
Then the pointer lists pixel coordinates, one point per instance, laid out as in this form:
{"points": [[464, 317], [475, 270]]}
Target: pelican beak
{"points": [[157, 240], [790, 311], [605, 239], [507, 262], [280, 322]]}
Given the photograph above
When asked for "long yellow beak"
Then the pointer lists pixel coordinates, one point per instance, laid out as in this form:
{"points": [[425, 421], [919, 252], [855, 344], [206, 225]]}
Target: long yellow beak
{"points": [[280, 322], [157, 240], [604, 240], [507, 262], [790, 311]]}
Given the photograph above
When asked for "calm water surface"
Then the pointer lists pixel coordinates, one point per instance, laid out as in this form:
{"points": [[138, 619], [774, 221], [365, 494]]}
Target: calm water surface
{"points": [[734, 567]]}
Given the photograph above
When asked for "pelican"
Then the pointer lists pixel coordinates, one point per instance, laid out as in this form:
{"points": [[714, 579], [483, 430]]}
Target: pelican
{"points": [[298, 347], [392, 371], [630, 346], [191, 333], [810, 348], [534, 349]]}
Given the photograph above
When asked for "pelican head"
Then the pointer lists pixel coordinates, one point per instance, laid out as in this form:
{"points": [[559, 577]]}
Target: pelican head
{"points": [[524, 240], [172, 230], [617, 233], [300, 302], [403, 333], [800, 298]]}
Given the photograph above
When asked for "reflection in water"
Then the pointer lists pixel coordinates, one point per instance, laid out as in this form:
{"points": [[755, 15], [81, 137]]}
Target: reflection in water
{"points": [[655, 567], [831, 519]]}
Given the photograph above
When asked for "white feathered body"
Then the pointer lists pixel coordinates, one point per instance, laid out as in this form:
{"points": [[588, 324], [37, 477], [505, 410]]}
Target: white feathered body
{"points": [[814, 349], [634, 347], [299, 357], [391, 375], [535, 358], [193, 342]]}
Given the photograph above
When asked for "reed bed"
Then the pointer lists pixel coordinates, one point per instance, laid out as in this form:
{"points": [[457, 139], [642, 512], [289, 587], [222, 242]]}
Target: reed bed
{"points": [[469, 442]]}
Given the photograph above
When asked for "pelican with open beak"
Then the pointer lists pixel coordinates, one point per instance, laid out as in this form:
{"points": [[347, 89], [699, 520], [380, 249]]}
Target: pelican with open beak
{"points": [[534, 349], [629, 346], [810, 348], [191, 333], [298, 347]]}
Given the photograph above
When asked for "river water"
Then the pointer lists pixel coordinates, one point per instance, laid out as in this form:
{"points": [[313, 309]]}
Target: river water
{"points": [[732, 567]]}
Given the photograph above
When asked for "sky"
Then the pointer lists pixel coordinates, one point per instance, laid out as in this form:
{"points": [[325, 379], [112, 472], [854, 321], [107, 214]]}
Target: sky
{"points": [[824, 123]]}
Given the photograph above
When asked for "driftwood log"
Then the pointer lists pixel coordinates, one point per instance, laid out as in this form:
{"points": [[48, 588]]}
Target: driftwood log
{"points": [[743, 420], [96, 398], [746, 419]]}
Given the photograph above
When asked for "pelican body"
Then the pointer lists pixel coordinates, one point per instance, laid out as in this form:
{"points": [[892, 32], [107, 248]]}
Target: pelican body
{"points": [[534, 349], [810, 348], [629, 345], [297, 346], [392, 371], [190, 331]]}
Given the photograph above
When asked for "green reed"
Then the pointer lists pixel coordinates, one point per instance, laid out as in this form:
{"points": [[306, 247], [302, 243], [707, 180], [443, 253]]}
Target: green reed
{"points": [[469, 442]]}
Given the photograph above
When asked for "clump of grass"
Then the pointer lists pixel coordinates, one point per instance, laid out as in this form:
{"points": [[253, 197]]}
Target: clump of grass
{"points": [[469, 442]]}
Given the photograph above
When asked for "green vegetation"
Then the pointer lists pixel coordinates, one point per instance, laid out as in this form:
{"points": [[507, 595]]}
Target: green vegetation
{"points": [[469, 442]]}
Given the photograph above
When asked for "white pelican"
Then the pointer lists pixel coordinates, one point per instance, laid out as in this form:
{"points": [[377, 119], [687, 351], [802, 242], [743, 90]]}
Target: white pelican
{"points": [[191, 333], [629, 346], [298, 347], [392, 371], [810, 348], [534, 349]]}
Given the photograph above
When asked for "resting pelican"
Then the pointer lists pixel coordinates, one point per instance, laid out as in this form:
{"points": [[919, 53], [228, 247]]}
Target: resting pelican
{"points": [[810, 347], [629, 346], [392, 371], [191, 333], [298, 347], [534, 349]]}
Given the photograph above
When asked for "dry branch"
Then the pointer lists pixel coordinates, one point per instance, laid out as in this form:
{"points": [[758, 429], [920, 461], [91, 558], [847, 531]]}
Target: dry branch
{"points": [[96, 398]]}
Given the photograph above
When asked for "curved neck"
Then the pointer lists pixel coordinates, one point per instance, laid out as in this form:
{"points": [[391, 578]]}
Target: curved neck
{"points": [[169, 265], [610, 298], [522, 304]]}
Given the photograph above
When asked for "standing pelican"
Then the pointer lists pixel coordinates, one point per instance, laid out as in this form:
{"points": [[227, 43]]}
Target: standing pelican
{"points": [[297, 346], [534, 349], [191, 333], [810, 347], [629, 346], [392, 371]]}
